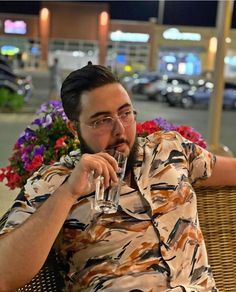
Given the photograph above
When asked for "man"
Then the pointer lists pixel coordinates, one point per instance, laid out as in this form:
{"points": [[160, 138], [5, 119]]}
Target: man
{"points": [[55, 80], [153, 242]]}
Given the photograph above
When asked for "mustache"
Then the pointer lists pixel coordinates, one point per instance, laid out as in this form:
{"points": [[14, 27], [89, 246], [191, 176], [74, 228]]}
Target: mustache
{"points": [[117, 142]]}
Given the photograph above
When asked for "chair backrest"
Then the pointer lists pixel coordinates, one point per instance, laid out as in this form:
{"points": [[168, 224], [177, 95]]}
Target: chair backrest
{"points": [[217, 216]]}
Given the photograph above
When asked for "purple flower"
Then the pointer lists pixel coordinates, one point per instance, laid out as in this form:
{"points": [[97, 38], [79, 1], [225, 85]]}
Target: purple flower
{"points": [[37, 122], [49, 107], [27, 135], [46, 121], [164, 125], [54, 109], [25, 157], [39, 150], [21, 139]]}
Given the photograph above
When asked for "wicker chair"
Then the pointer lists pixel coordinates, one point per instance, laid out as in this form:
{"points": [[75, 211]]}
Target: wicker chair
{"points": [[217, 215]]}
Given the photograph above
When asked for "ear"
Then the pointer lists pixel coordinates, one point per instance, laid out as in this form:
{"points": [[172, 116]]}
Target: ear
{"points": [[71, 126]]}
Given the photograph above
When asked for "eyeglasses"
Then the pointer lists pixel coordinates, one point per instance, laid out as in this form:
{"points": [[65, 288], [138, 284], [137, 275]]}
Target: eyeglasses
{"points": [[107, 123]]}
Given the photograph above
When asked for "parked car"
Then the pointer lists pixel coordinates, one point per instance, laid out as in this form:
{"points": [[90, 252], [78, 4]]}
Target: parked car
{"points": [[13, 82], [168, 88], [201, 96], [141, 82], [138, 81]]}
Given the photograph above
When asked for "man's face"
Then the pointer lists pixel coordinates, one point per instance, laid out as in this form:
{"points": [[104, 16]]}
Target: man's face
{"points": [[108, 100]]}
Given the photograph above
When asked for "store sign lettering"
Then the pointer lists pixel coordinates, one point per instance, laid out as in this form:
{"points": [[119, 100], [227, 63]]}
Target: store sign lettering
{"points": [[175, 34], [119, 36]]}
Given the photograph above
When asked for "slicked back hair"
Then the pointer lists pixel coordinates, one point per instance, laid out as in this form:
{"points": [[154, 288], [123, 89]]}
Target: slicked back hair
{"points": [[79, 81]]}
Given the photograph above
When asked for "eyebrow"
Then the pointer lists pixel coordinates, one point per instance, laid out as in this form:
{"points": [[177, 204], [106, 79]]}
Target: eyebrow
{"points": [[108, 113]]}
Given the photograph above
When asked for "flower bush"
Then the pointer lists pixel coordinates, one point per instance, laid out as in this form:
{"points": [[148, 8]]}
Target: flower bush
{"points": [[48, 138]]}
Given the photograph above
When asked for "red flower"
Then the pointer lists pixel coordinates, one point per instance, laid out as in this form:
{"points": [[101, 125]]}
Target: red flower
{"points": [[14, 180], [190, 134], [35, 163], [60, 142], [147, 128], [2, 173]]}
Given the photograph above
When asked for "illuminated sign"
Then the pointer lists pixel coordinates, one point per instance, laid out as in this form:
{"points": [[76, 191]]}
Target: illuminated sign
{"points": [[9, 50], [175, 34], [15, 27], [119, 36]]}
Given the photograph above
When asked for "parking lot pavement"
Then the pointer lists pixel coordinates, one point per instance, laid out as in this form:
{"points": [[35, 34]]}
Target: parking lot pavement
{"points": [[11, 125]]}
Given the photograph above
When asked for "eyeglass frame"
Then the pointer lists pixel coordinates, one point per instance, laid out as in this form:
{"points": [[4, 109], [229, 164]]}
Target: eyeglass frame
{"points": [[114, 119]]}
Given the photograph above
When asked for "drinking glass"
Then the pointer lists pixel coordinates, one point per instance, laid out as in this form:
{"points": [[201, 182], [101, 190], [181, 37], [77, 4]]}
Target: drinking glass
{"points": [[107, 200]]}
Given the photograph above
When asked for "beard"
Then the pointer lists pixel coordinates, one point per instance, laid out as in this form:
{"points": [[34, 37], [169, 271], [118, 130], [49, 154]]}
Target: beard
{"points": [[84, 148]]}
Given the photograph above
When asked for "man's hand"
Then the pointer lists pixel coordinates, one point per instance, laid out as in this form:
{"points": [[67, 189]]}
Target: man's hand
{"points": [[89, 167]]}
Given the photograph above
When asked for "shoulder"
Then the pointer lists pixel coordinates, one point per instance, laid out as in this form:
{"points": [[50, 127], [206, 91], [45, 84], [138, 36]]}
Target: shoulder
{"points": [[49, 177], [164, 138]]}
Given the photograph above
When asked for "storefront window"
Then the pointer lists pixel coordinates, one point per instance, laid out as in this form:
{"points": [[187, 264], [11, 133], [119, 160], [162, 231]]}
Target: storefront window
{"points": [[230, 66], [179, 63]]}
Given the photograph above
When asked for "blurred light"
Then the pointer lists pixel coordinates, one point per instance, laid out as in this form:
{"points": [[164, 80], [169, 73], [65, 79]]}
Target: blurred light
{"points": [[9, 50], [175, 34], [213, 45], [78, 54], [169, 59], [44, 14], [209, 85], [201, 81], [104, 18], [169, 67], [228, 40], [182, 68], [90, 53], [119, 36], [24, 56], [127, 68], [230, 60], [15, 26]]}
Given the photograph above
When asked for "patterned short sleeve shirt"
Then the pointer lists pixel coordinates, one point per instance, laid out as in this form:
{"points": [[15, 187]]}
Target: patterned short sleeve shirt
{"points": [[153, 242]]}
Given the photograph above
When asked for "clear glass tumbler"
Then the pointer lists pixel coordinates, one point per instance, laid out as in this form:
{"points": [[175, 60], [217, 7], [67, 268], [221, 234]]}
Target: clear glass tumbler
{"points": [[107, 200]]}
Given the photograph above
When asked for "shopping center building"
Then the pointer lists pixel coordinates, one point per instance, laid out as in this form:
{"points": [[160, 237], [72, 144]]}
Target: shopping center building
{"points": [[78, 32]]}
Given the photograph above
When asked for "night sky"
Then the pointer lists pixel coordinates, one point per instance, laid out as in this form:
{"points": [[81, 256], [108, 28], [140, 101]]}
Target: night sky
{"points": [[192, 13]]}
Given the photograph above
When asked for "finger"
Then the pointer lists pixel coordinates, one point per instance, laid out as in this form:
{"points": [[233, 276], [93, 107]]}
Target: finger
{"points": [[112, 173], [110, 159], [100, 165], [105, 169]]}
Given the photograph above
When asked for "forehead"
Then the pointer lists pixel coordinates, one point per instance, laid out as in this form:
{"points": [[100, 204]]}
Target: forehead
{"points": [[107, 98]]}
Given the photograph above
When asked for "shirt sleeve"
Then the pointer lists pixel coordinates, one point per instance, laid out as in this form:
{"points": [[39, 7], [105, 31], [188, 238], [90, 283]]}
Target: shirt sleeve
{"points": [[36, 191], [201, 161]]}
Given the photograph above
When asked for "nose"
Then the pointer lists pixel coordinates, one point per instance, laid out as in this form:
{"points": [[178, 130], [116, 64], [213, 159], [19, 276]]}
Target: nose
{"points": [[118, 127]]}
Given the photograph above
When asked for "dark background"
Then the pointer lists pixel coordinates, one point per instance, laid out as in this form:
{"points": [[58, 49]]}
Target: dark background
{"points": [[192, 12]]}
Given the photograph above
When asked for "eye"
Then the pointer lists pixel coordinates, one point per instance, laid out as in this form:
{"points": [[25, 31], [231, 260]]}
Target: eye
{"points": [[102, 122], [126, 114]]}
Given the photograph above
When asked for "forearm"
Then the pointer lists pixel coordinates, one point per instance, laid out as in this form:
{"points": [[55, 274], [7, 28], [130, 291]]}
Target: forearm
{"points": [[223, 174], [24, 250]]}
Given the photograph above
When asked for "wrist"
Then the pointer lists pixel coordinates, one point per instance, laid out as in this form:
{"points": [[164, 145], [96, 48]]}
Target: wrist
{"points": [[69, 192], [66, 194]]}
